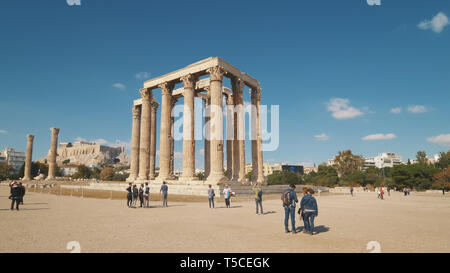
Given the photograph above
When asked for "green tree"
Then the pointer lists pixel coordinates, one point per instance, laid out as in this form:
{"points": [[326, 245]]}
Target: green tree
{"points": [[6, 171], [347, 163], [107, 174], [421, 157], [83, 173], [284, 178], [444, 160]]}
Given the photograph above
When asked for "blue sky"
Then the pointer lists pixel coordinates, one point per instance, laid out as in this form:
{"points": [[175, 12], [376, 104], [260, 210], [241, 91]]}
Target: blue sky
{"points": [[335, 68]]}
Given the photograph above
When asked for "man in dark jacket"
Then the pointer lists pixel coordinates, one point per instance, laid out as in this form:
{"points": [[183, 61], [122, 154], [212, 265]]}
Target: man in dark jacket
{"points": [[16, 195], [129, 195], [289, 198]]}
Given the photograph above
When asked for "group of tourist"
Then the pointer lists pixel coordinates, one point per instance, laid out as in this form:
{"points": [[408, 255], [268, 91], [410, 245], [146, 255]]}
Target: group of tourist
{"points": [[17, 192], [308, 209], [143, 194]]}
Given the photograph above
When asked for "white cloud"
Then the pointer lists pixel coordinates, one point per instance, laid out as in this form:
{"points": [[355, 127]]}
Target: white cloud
{"points": [[437, 24], [120, 86], [322, 137], [143, 75], [3, 132], [443, 140], [341, 109], [417, 109], [379, 137], [396, 110]]}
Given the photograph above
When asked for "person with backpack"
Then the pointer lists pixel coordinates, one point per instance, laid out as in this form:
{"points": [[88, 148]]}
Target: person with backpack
{"points": [[308, 206], [16, 195], [227, 195], [258, 198], [211, 195], [289, 198], [22, 192], [129, 195], [141, 195], [146, 195]]}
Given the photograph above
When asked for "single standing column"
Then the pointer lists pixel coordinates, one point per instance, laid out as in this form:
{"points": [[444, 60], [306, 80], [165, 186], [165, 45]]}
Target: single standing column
{"points": [[188, 128], [239, 144], [216, 175], [230, 137], [207, 134], [144, 145], [172, 138], [29, 156], [257, 160], [52, 153], [153, 141], [164, 141], [135, 139]]}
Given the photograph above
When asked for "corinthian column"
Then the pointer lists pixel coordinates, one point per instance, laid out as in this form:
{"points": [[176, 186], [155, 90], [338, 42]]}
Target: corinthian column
{"points": [[52, 153], [164, 141], [144, 145], [153, 140], [257, 159], [239, 143], [216, 173], [172, 138], [207, 133], [188, 128], [135, 139], [230, 137], [27, 173]]}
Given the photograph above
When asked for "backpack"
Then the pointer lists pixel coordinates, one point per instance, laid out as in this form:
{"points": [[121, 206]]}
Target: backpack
{"points": [[147, 190], [260, 193], [286, 197]]}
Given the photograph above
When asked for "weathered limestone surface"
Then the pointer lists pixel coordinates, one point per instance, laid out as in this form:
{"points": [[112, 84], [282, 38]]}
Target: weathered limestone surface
{"points": [[135, 139], [28, 158], [144, 146], [52, 154]]}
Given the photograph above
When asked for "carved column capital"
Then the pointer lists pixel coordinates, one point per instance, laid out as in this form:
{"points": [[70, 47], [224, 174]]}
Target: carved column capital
{"points": [[54, 131], [255, 92], [155, 106], [136, 111], [146, 93], [30, 137], [188, 81], [166, 88], [216, 73], [230, 99]]}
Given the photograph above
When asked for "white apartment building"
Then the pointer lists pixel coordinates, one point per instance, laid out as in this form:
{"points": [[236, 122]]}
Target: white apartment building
{"points": [[12, 158], [383, 160]]}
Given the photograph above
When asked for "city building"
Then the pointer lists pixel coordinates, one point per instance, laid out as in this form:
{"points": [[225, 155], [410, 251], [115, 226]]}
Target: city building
{"points": [[13, 158], [383, 160], [69, 169]]}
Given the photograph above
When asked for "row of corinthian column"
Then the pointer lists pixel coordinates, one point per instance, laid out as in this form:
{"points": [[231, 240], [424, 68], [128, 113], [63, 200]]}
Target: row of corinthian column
{"points": [[143, 144]]}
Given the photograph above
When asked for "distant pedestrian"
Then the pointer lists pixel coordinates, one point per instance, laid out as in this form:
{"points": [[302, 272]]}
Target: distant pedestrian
{"points": [[211, 195], [443, 191], [227, 195], [141, 195], [381, 193], [351, 191], [308, 205], [129, 195], [163, 191], [408, 191], [135, 196], [378, 193], [289, 199], [389, 190], [404, 191], [258, 198], [146, 195], [16, 195]]}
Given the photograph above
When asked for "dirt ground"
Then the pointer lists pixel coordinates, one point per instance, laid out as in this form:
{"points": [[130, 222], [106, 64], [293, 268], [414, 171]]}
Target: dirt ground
{"points": [[47, 223]]}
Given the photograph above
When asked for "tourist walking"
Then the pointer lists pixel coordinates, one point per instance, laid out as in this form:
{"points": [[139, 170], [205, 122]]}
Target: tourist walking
{"points": [[141, 195], [389, 190], [146, 195], [22, 193], [381, 193], [289, 199], [227, 195], [351, 191], [163, 191], [308, 206], [129, 195], [211, 195], [378, 192], [258, 198], [135, 196], [16, 195]]}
